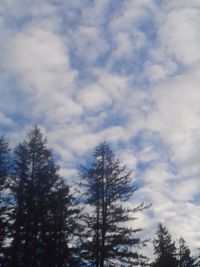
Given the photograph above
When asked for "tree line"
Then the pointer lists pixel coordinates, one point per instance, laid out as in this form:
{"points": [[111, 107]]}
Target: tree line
{"points": [[44, 224]]}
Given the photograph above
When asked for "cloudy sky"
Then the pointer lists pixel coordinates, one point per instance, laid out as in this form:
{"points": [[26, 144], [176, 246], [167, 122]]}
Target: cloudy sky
{"points": [[124, 71]]}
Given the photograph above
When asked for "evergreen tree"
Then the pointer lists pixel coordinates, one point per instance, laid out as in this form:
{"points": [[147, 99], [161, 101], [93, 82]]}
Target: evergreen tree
{"points": [[41, 207], [65, 228], [185, 258], [4, 174], [197, 261], [164, 249], [109, 240]]}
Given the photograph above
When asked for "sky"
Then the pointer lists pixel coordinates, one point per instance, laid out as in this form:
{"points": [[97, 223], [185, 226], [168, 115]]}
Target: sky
{"points": [[123, 71]]}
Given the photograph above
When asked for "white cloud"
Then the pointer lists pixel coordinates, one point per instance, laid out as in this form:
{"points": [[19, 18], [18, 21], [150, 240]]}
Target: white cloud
{"points": [[186, 189], [179, 35], [40, 60], [39, 57], [6, 121], [130, 12], [175, 116], [82, 103], [106, 91], [157, 72], [126, 157], [89, 39], [94, 97], [128, 43]]}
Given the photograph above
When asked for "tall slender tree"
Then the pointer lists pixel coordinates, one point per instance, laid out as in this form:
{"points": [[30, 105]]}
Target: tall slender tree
{"points": [[184, 256], [41, 206], [64, 243], [4, 175], [109, 240], [164, 249]]}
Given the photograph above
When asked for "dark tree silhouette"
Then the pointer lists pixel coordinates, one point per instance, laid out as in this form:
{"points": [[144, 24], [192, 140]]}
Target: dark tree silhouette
{"points": [[4, 175], [184, 255], [65, 227], [164, 249], [109, 240], [42, 214]]}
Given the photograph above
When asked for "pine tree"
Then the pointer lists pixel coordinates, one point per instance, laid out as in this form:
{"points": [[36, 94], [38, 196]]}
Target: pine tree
{"points": [[185, 258], [4, 175], [109, 240], [197, 261], [41, 206], [65, 227], [164, 249]]}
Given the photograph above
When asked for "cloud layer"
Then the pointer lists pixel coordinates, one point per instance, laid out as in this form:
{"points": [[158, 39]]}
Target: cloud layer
{"points": [[123, 71]]}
